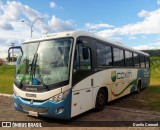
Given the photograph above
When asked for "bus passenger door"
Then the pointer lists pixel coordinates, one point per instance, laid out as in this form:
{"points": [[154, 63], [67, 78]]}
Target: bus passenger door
{"points": [[82, 81]]}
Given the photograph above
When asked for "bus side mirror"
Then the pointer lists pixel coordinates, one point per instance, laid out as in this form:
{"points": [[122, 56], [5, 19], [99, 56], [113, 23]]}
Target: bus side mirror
{"points": [[84, 50], [14, 47], [9, 56], [85, 53]]}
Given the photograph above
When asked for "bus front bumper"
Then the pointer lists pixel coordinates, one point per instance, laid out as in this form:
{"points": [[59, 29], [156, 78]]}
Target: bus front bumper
{"points": [[47, 108]]}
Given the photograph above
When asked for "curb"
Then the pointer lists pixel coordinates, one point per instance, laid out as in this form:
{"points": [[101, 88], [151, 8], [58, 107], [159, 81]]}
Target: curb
{"points": [[5, 95]]}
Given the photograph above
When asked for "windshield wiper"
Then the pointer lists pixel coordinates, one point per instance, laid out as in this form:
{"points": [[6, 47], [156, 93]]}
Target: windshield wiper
{"points": [[33, 70], [33, 65]]}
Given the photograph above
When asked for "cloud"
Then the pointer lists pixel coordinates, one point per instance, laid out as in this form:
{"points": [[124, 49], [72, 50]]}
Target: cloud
{"points": [[143, 13], [158, 2], [52, 4], [116, 39], [12, 12], [150, 25], [148, 46], [3, 52], [57, 24], [6, 26], [158, 38], [144, 47], [97, 26]]}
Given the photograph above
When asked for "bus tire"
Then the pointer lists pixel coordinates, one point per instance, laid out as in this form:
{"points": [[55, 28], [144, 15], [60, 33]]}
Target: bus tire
{"points": [[100, 100], [139, 87]]}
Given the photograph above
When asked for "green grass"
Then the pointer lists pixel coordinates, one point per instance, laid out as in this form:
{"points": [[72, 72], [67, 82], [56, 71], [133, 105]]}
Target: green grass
{"points": [[7, 70], [155, 71], [155, 76], [6, 79], [152, 95]]}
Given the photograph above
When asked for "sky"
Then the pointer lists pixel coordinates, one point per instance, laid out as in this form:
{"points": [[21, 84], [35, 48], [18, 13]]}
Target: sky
{"points": [[135, 23]]}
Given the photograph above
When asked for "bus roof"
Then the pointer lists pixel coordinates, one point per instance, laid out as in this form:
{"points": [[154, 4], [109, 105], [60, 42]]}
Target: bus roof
{"points": [[82, 33]]}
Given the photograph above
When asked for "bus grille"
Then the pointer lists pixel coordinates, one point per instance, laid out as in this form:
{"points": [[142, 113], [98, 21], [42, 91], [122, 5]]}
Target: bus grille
{"points": [[39, 110]]}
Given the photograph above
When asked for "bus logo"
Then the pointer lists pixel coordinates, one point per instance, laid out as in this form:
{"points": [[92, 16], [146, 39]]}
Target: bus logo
{"points": [[113, 76], [120, 75]]}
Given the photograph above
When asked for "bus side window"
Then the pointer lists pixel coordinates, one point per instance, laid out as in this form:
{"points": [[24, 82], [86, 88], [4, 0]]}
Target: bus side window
{"points": [[142, 59], [147, 62], [118, 57], [104, 55], [82, 63], [136, 60], [128, 59]]}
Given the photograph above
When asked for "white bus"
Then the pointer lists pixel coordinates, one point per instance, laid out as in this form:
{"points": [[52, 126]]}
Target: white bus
{"points": [[64, 74]]}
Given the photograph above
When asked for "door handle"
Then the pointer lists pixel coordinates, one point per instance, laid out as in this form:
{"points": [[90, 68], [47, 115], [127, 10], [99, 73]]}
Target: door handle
{"points": [[92, 83], [88, 90], [76, 93]]}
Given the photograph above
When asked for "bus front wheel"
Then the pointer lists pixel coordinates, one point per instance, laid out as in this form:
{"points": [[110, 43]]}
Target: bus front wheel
{"points": [[100, 100]]}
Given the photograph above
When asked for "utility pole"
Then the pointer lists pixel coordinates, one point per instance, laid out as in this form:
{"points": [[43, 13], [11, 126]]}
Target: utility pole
{"points": [[12, 45]]}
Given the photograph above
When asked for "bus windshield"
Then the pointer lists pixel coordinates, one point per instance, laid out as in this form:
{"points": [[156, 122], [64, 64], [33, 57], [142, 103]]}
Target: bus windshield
{"points": [[44, 62]]}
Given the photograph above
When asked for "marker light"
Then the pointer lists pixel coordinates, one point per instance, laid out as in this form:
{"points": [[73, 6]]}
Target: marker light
{"points": [[60, 96]]}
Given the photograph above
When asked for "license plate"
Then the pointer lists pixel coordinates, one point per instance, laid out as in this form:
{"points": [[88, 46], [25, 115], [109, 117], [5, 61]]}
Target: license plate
{"points": [[32, 113], [30, 95]]}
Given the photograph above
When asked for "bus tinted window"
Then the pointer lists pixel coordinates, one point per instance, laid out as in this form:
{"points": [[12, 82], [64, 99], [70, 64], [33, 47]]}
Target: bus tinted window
{"points": [[147, 62], [142, 61], [128, 59], [136, 60], [118, 57], [104, 55]]}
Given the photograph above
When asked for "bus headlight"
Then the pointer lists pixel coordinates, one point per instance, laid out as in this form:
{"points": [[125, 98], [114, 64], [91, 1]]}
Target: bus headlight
{"points": [[60, 96]]}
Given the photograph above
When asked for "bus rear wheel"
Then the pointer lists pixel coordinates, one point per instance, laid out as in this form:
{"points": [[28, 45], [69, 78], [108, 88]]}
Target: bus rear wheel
{"points": [[100, 100]]}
